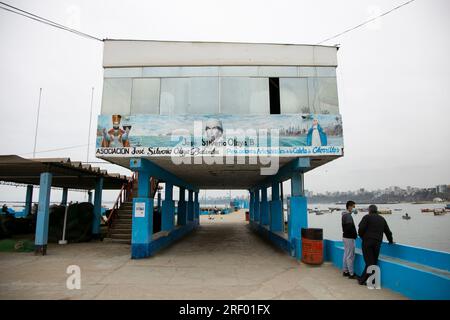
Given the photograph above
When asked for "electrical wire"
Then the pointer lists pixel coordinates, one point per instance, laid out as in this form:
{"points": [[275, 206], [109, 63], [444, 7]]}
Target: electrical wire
{"points": [[35, 17], [366, 22]]}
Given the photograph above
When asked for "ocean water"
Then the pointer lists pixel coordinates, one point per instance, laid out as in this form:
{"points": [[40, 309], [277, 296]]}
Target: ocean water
{"points": [[423, 229]]}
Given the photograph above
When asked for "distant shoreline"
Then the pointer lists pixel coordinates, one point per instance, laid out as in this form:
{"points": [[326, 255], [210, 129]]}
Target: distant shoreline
{"points": [[384, 203]]}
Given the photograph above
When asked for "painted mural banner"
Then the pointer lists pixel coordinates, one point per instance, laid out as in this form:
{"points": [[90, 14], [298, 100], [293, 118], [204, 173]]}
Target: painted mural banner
{"points": [[147, 135]]}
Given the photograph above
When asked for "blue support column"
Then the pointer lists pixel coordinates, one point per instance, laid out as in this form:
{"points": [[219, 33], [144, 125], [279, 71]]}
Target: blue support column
{"points": [[298, 217], [97, 208], [251, 205], [159, 200], [28, 199], [64, 196], [142, 219], [143, 244], [168, 209], [256, 211], [264, 208], [191, 206], [43, 213], [182, 208], [196, 208], [276, 212]]}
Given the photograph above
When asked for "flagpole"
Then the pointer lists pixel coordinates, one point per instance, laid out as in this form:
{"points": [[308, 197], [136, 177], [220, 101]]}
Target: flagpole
{"points": [[37, 123]]}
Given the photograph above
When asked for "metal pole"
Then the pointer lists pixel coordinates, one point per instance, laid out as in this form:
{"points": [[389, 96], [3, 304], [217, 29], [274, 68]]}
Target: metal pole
{"points": [[37, 123], [90, 122], [89, 133], [64, 241]]}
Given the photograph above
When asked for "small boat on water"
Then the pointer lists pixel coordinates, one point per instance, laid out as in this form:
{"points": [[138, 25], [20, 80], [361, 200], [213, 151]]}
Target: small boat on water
{"points": [[439, 212], [427, 210], [385, 211], [398, 209], [447, 207], [406, 216]]}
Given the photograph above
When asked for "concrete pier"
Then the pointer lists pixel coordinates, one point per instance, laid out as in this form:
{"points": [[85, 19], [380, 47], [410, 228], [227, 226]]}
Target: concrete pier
{"points": [[222, 259]]}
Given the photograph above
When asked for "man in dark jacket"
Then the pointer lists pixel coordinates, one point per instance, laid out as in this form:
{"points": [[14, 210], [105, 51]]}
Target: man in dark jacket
{"points": [[348, 238], [371, 229]]}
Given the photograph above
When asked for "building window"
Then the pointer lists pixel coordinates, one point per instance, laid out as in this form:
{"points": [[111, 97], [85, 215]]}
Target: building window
{"points": [[204, 95], [294, 95], [244, 95], [116, 96], [145, 96], [189, 96], [323, 97], [174, 96]]}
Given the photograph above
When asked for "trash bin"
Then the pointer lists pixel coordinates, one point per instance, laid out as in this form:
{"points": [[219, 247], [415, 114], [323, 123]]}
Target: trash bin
{"points": [[247, 216], [312, 246]]}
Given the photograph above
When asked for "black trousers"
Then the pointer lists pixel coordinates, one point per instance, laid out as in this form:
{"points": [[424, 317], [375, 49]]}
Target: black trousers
{"points": [[371, 251]]}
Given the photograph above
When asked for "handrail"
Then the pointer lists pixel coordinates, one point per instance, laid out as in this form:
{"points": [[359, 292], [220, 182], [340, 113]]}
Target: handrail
{"points": [[125, 193]]}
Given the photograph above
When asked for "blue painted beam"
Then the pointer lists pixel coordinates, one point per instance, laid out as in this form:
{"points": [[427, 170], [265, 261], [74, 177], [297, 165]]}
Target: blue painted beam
{"points": [[28, 199], [285, 172], [43, 214], [97, 208], [140, 164]]}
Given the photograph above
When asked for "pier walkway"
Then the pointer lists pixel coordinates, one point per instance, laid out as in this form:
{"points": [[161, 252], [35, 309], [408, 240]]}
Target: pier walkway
{"points": [[222, 259]]}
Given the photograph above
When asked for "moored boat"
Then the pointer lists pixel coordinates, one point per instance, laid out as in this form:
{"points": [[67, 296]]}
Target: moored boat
{"points": [[426, 210], [439, 212], [385, 211]]}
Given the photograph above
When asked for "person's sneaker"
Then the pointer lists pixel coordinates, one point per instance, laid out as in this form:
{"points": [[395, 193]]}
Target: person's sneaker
{"points": [[362, 283], [346, 274], [352, 276]]}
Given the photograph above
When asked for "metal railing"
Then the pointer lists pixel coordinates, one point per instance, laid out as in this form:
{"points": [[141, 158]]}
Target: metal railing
{"points": [[125, 194]]}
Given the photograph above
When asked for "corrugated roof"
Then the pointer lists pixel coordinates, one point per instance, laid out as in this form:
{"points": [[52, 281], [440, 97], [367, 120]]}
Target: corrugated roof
{"points": [[66, 173]]}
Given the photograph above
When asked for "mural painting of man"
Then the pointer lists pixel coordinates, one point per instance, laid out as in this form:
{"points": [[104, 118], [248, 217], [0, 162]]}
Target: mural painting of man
{"points": [[116, 137]]}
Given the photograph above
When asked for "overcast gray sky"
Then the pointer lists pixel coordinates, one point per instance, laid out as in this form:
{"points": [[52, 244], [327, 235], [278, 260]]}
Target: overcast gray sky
{"points": [[393, 75]]}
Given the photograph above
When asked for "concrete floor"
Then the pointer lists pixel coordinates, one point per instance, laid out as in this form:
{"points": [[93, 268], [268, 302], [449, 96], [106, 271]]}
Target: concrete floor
{"points": [[221, 260]]}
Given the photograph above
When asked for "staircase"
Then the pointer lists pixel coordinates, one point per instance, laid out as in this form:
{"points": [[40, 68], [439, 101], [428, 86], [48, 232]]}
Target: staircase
{"points": [[120, 230], [119, 221]]}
